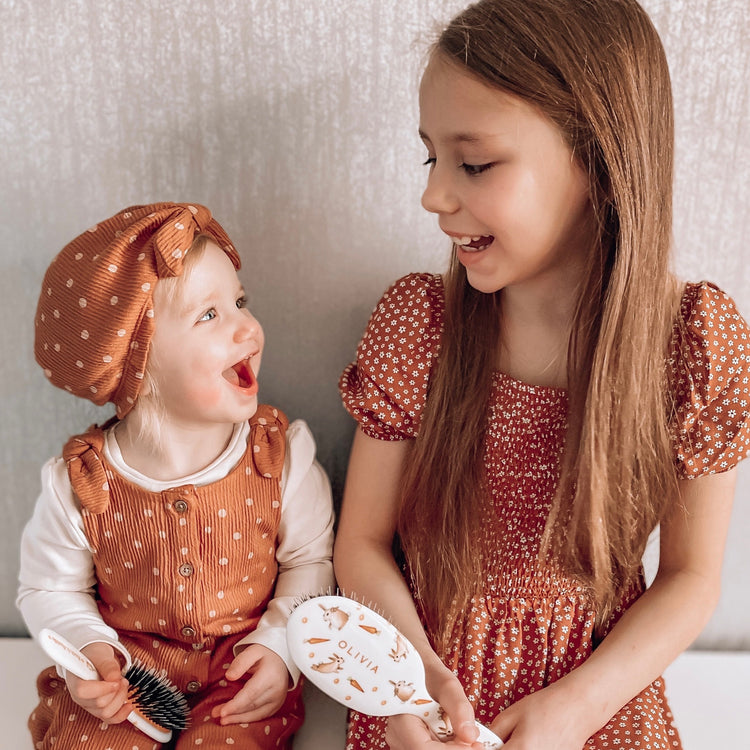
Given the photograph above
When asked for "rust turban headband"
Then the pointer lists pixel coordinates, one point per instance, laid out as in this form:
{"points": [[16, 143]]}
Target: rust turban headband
{"points": [[94, 320]]}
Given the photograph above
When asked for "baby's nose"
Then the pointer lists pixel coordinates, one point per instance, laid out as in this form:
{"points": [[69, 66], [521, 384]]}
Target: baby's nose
{"points": [[247, 327]]}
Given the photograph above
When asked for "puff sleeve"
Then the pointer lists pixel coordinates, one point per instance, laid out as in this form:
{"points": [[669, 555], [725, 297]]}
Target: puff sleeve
{"points": [[385, 388], [710, 364]]}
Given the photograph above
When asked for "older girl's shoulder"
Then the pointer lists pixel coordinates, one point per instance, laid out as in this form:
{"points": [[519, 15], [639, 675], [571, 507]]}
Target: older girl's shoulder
{"points": [[713, 330], [405, 327], [710, 375], [385, 388], [418, 295]]}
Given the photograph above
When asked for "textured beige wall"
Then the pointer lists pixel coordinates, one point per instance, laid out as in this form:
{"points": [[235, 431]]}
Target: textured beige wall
{"points": [[295, 120]]}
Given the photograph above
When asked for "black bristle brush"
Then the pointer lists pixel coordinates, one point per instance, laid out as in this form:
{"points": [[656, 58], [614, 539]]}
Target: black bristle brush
{"points": [[159, 707]]}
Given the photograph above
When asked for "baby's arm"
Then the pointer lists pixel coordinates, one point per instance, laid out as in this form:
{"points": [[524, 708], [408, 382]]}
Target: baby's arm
{"points": [[56, 579], [303, 553], [56, 592], [648, 637], [365, 567]]}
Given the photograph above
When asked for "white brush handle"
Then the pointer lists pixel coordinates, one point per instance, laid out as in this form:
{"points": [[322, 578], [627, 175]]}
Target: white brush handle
{"points": [[65, 654], [487, 738], [432, 715]]}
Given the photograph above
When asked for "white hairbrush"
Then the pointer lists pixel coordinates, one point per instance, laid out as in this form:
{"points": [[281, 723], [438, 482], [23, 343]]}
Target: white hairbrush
{"points": [[361, 660], [159, 707]]}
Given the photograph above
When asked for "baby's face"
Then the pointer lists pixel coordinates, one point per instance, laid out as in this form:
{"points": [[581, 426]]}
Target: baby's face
{"points": [[206, 349]]}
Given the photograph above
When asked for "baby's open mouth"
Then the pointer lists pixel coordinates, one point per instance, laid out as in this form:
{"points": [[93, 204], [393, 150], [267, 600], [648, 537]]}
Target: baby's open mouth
{"points": [[241, 374]]}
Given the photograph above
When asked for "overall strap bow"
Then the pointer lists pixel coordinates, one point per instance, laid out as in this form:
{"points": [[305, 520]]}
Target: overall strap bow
{"points": [[82, 454], [268, 439]]}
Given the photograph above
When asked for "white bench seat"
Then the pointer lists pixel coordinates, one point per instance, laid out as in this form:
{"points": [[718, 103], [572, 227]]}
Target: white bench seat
{"points": [[709, 692]]}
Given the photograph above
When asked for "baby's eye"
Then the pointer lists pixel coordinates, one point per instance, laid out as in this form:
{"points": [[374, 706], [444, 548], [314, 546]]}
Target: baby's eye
{"points": [[241, 302], [475, 169], [430, 161], [208, 315]]}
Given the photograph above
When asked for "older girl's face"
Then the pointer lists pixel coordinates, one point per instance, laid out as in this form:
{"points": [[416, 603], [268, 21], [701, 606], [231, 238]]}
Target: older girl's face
{"points": [[503, 183]]}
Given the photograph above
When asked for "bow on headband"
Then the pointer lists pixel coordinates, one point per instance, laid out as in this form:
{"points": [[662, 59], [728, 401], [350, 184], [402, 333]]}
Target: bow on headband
{"points": [[94, 319]]}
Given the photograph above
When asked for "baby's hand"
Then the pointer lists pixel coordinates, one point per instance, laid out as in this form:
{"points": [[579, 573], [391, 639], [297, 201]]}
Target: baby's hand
{"points": [[263, 694], [107, 698]]}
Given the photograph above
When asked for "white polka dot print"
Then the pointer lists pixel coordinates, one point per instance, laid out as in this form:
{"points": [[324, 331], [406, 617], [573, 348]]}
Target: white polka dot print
{"points": [[181, 565]]}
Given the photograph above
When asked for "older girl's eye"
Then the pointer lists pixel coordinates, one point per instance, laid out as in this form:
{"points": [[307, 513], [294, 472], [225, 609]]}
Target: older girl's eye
{"points": [[475, 169], [208, 315], [241, 302], [430, 161]]}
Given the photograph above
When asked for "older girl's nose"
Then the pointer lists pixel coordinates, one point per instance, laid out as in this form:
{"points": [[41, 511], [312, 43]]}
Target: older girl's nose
{"points": [[439, 196]]}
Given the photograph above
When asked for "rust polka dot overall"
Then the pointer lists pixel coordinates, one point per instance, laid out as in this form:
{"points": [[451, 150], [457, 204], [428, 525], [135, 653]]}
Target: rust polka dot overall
{"points": [[528, 628], [182, 575]]}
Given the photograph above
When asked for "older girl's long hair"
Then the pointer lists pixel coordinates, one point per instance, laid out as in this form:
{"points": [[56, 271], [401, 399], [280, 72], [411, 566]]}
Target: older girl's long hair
{"points": [[597, 69]]}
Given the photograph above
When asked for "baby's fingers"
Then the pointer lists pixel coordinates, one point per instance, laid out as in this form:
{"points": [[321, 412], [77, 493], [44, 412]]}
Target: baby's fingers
{"points": [[259, 710], [246, 661], [120, 714], [105, 700], [252, 703], [404, 731], [91, 691]]}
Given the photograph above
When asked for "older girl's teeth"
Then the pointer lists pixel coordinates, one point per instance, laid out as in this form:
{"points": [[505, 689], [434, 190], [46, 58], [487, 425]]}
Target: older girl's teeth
{"points": [[474, 244]]}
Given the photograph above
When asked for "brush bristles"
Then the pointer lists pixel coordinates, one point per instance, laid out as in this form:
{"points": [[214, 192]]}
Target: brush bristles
{"points": [[157, 698], [302, 598], [339, 592]]}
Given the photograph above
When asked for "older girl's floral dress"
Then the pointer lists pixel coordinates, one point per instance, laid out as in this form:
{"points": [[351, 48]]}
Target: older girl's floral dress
{"points": [[530, 627]]}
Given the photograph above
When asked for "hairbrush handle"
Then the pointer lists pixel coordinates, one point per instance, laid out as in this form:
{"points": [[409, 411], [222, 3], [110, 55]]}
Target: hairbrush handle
{"points": [[432, 715], [66, 655], [357, 657], [487, 738]]}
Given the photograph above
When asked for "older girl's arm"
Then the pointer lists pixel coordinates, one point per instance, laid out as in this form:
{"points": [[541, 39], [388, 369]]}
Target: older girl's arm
{"points": [[661, 624], [365, 569], [363, 558]]}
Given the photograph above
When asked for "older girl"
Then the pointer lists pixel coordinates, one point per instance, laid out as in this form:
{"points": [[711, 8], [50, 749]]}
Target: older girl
{"points": [[526, 420]]}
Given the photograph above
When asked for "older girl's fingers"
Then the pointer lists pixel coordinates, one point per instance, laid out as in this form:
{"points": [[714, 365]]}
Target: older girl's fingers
{"points": [[405, 732]]}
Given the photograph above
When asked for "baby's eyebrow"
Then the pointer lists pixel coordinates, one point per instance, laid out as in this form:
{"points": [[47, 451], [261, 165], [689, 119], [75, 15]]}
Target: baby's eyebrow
{"points": [[188, 306], [191, 311]]}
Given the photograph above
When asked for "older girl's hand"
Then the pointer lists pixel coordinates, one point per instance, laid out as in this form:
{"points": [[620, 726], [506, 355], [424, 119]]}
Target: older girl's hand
{"points": [[545, 719], [106, 698], [409, 732]]}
